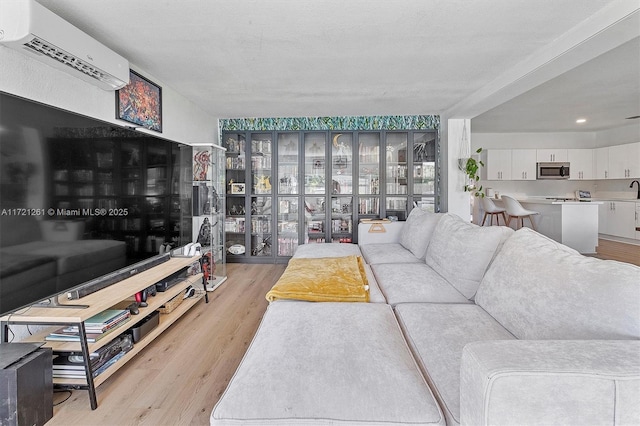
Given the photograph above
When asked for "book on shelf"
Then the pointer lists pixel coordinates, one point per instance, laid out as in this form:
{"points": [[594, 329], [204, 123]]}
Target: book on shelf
{"points": [[71, 334], [106, 317], [101, 328]]}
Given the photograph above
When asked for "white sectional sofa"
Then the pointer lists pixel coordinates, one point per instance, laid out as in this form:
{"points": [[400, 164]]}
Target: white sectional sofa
{"points": [[471, 326]]}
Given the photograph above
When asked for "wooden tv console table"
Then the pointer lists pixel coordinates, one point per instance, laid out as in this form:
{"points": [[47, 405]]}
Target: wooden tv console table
{"points": [[104, 299]]}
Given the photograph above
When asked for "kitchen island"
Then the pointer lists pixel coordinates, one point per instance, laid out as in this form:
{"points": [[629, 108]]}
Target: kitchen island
{"points": [[570, 222]]}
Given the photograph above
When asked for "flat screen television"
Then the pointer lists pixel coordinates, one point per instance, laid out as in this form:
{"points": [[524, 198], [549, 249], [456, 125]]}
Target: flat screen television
{"points": [[81, 198]]}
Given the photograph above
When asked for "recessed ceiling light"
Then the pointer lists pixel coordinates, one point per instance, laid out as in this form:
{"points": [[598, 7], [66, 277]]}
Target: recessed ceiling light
{"points": [[581, 120]]}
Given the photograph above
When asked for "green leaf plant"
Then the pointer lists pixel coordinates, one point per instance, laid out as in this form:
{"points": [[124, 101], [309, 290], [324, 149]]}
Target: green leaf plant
{"points": [[471, 169]]}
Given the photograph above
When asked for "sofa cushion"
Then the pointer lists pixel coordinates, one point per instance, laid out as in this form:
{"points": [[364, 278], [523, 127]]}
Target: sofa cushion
{"points": [[387, 253], [414, 282], [548, 382], [341, 249], [417, 231], [322, 279], [461, 251], [327, 363], [375, 294], [327, 250], [540, 289], [437, 333]]}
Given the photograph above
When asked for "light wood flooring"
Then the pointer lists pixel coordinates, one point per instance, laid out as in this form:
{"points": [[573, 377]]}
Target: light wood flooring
{"points": [[614, 250], [178, 378]]}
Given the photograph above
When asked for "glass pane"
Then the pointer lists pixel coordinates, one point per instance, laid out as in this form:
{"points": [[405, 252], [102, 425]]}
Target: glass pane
{"points": [[287, 225], [341, 219], [424, 163], [236, 164], [368, 173], [314, 159], [288, 154], [397, 206], [261, 163], [342, 163], [369, 163], [261, 226], [396, 157], [369, 206], [424, 203], [314, 218], [235, 219]]}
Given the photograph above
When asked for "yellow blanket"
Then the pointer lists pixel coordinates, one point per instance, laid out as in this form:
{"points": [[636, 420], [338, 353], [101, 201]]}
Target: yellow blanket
{"points": [[327, 279]]}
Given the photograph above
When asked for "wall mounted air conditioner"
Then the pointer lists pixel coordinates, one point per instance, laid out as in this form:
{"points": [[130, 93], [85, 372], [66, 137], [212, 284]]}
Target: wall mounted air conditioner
{"points": [[34, 30]]}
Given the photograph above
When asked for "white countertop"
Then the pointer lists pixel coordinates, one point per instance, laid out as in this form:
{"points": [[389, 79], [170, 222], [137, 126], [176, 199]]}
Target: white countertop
{"points": [[533, 200], [630, 200]]}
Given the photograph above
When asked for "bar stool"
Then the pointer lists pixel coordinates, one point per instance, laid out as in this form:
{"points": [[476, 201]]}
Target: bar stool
{"points": [[515, 209], [491, 210]]}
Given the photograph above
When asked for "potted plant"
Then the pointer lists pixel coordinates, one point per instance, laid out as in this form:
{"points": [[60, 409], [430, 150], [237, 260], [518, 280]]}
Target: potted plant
{"points": [[471, 168]]}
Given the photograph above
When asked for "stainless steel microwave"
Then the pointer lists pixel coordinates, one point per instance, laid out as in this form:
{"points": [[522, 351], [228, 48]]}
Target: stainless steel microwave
{"points": [[558, 170]]}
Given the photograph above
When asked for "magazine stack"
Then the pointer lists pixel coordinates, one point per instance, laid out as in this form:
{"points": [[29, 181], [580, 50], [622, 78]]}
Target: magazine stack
{"points": [[96, 327]]}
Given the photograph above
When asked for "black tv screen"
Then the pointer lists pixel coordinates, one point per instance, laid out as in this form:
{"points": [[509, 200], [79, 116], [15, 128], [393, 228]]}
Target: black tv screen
{"points": [[81, 198]]}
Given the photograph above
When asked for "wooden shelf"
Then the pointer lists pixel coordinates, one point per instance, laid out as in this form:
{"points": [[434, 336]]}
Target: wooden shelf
{"points": [[103, 299], [116, 296], [166, 320]]}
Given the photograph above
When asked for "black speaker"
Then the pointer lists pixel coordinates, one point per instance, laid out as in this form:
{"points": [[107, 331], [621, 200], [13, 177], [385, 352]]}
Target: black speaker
{"points": [[26, 389]]}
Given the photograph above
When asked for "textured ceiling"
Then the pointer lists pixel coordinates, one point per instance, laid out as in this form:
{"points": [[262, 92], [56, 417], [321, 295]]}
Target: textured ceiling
{"points": [[604, 91], [281, 58]]}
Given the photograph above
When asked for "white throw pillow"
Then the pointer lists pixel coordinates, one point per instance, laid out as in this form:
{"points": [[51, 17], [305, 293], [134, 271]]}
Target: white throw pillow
{"points": [[417, 231], [461, 252]]}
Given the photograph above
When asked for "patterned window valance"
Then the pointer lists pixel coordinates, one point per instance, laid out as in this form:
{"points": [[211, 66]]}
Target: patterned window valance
{"points": [[384, 122]]}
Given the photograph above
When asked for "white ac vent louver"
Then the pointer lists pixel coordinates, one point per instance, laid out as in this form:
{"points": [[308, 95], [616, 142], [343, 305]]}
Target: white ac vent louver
{"points": [[32, 29]]}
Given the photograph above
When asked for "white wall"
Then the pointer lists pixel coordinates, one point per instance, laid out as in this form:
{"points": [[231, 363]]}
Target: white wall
{"points": [[534, 140], [23, 76], [620, 135], [457, 200]]}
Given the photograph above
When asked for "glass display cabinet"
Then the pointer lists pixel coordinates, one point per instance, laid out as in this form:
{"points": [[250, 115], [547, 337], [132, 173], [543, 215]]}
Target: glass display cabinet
{"points": [[288, 191], [261, 194], [396, 179], [369, 175], [315, 186], [208, 184], [424, 170], [235, 181], [304, 187], [341, 187]]}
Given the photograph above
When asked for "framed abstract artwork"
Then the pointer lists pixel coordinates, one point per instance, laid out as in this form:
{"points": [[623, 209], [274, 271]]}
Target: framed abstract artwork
{"points": [[140, 102]]}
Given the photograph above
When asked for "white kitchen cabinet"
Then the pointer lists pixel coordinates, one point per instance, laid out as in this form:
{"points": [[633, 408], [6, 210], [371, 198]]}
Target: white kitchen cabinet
{"points": [[624, 161], [617, 218], [634, 160], [551, 155], [498, 164], [617, 162], [601, 161], [523, 164], [581, 164]]}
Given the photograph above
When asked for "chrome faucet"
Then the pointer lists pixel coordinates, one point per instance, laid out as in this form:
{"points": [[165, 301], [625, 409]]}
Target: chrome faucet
{"points": [[631, 186]]}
